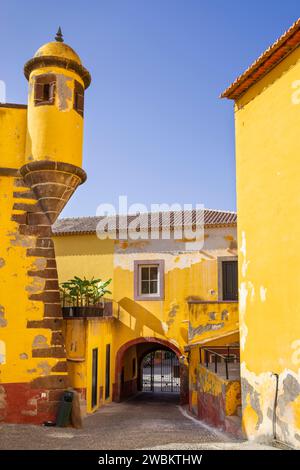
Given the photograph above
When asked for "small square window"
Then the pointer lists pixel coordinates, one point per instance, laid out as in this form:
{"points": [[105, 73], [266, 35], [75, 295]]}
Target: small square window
{"points": [[149, 280]]}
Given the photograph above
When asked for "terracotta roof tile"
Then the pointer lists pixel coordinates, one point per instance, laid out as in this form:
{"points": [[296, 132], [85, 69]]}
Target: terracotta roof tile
{"points": [[88, 225], [266, 62]]}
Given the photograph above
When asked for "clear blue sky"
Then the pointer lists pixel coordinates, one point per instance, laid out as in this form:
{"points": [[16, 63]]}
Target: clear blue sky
{"points": [[155, 128]]}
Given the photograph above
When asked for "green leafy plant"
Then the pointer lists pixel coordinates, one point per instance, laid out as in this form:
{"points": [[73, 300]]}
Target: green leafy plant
{"points": [[83, 292]]}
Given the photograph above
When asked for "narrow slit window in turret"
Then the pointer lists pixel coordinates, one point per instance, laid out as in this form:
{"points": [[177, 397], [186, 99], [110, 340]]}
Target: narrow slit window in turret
{"points": [[44, 89], [78, 98]]}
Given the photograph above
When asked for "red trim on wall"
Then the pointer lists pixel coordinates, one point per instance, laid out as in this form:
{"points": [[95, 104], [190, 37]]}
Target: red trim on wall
{"points": [[211, 409], [25, 405]]}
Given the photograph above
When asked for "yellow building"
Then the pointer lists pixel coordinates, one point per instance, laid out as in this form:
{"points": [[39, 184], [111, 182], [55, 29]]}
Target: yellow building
{"points": [[190, 307], [267, 116], [41, 157], [165, 296]]}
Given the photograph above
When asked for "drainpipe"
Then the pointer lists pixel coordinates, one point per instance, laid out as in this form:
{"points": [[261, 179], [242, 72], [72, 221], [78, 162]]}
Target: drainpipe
{"points": [[275, 405]]}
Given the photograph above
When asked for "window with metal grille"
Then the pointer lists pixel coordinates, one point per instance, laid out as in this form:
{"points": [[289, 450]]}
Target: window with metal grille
{"points": [[44, 89]]}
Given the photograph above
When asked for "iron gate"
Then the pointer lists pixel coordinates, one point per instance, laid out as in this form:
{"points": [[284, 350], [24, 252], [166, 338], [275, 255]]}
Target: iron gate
{"points": [[161, 372]]}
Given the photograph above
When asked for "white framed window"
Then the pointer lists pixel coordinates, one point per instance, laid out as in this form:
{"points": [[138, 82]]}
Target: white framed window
{"points": [[149, 280]]}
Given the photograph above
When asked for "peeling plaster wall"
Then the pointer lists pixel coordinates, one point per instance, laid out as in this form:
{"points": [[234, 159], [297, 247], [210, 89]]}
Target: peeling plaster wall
{"points": [[187, 274], [211, 397], [267, 152], [209, 320]]}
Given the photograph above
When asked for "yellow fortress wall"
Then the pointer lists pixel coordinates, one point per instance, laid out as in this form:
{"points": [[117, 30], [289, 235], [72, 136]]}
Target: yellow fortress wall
{"points": [[40, 168], [267, 116]]}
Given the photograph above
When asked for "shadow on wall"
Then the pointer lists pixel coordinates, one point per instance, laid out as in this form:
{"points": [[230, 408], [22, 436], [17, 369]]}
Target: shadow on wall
{"points": [[142, 316]]}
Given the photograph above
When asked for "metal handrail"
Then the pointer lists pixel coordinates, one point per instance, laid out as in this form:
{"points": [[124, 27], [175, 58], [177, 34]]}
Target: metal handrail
{"points": [[226, 357]]}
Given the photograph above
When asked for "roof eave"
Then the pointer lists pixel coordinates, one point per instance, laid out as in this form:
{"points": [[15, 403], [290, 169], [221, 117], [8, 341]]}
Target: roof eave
{"points": [[277, 52], [93, 232]]}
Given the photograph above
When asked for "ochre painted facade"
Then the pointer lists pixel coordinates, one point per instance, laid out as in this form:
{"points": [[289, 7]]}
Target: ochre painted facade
{"points": [[138, 327], [267, 118], [40, 168]]}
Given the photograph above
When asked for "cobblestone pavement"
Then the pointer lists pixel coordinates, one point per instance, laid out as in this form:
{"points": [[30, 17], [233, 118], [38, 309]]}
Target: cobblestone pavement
{"points": [[148, 421]]}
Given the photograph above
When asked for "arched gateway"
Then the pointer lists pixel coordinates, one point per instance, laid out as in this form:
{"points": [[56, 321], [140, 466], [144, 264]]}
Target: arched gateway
{"points": [[132, 354]]}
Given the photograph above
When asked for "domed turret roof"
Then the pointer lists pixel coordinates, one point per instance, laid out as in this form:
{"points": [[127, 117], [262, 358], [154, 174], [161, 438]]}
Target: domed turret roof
{"points": [[57, 53], [58, 49]]}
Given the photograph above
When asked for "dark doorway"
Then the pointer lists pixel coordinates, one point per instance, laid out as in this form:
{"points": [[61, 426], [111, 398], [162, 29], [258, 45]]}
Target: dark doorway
{"points": [[230, 280], [169, 374], [161, 372], [107, 372], [94, 377]]}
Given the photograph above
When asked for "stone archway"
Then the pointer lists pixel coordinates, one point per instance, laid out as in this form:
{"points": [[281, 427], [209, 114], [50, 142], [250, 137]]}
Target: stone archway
{"points": [[152, 343]]}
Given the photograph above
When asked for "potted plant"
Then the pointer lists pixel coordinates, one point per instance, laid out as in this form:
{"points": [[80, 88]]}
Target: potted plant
{"points": [[83, 297]]}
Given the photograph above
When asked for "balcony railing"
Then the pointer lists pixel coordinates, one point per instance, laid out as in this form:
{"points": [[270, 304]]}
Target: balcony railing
{"points": [[79, 309], [222, 357]]}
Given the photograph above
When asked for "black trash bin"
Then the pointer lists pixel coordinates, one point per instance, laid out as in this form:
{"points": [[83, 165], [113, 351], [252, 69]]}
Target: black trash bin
{"points": [[64, 409]]}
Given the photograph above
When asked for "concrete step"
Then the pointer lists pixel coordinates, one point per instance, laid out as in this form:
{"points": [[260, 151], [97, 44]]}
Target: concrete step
{"points": [[233, 425]]}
